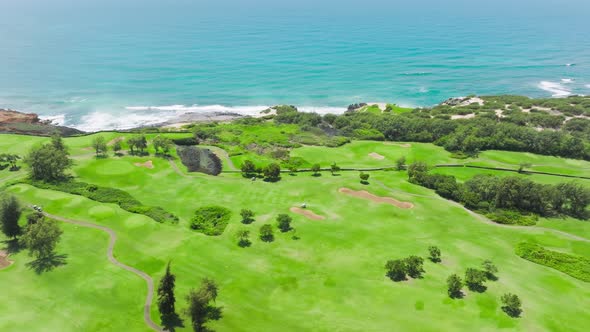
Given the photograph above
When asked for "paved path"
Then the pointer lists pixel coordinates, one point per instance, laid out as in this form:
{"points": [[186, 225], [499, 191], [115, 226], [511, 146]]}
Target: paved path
{"points": [[113, 260], [488, 221]]}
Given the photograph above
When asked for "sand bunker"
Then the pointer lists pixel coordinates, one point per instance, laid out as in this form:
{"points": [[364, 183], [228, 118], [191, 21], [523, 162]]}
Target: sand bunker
{"points": [[402, 145], [375, 155], [115, 140], [147, 164], [4, 262], [307, 213], [377, 199]]}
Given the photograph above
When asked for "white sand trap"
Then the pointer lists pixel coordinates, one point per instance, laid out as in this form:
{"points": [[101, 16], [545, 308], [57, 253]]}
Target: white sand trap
{"points": [[148, 164], [376, 156], [115, 140], [377, 199], [401, 145], [4, 262], [307, 213]]}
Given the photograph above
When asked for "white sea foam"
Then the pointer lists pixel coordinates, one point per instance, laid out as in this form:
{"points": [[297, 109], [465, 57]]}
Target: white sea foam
{"points": [[59, 119], [588, 86], [556, 89], [567, 80], [137, 116]]}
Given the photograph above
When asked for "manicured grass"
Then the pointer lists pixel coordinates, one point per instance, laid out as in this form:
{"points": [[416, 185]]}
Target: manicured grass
{"points": [[331, 279]]}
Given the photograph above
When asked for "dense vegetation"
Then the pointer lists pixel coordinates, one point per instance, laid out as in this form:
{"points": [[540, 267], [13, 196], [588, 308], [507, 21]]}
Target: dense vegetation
{"points": [[488, 193], [199, 160], [575, 266], [558, 127], [210, 220], [107, 195]]}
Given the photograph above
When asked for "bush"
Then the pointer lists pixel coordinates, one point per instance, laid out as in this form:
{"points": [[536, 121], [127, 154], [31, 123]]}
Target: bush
{"points": [[108, 195], [266, 234], [211, 220], [576, 266], [507, 217], [185, 141]]}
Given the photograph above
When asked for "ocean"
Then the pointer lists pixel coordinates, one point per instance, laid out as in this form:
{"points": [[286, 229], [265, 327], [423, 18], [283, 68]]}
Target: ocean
{"points": [[111, 64]]}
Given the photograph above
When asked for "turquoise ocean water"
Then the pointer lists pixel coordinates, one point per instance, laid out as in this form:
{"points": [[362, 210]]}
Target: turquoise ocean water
{"points": [[114, 64]]}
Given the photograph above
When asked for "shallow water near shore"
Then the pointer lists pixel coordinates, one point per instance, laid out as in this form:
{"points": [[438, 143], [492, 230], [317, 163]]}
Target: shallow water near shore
{"points": [[106, 65]]}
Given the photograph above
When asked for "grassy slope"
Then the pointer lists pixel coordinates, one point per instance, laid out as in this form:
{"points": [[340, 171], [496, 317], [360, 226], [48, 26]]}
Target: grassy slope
{"points": [[330, 279]]}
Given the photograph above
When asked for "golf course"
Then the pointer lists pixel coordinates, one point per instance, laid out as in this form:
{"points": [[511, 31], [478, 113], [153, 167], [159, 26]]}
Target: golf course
{"points": [[326, 274]]}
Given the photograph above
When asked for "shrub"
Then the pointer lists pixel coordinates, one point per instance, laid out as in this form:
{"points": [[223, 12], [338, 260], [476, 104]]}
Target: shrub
{"points": [[210, 220], [454, 285], [266, 234], [512, 304], [576, 266], [185, 141], [434, 252], [396, 269], [247, 216], [284, 222], [507, 217], [108, 195]]}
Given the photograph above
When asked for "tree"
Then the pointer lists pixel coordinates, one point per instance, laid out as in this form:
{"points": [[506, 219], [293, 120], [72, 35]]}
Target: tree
{"points": [[272, 172], [58, 143], [400, 164], [141, 144], [284, 222], [200, 307], [512, 305], [316, 168], [117, 147], [417, 172], [364, 177], [166, 298], [100, 145], [243, 236], [247, 216], [334, 168], [10, 212], [48, 162], [396, 269], [266, 234], [474, 279], [292, 169], [162, 143], [41, 238], [434, 254], [454, 285], [248, 168], [11, 159], [414, 266], [490, 269], [132, 142]]}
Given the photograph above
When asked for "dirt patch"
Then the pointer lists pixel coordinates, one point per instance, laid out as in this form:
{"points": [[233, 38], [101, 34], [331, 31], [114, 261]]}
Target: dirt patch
{"points": [[377, 199], [307, 213], [4, 262], [148, 164], [88, 149], [115, 140], [376, 156], [466, 116]]}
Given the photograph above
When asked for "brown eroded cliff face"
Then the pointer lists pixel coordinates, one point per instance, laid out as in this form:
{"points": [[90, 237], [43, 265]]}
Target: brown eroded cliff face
{"points": [[14, 122], [10, 116]]}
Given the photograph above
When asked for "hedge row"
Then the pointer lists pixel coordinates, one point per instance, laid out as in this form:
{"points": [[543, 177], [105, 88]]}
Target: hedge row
{"points": [[576, 266], [107, 195]]}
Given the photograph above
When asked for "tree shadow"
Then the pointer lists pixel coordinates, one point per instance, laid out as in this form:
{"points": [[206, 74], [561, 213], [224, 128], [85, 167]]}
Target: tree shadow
{"points": [[171, 322], [244, 243], [46, 264], [512, 312], [267, 238], [366, 183], [479, 288], [272, 180], [101, 156], [457, 295], [316, 175], [12, 246], [491, 276], [336, 174]]}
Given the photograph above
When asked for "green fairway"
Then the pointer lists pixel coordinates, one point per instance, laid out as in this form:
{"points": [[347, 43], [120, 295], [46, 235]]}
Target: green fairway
{"points": [[331, 279]]}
